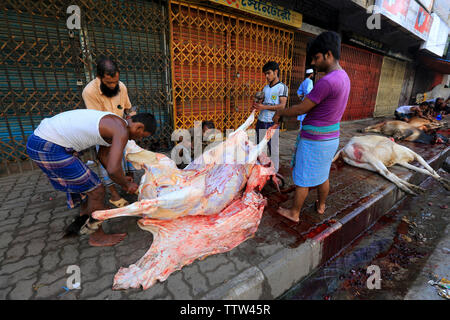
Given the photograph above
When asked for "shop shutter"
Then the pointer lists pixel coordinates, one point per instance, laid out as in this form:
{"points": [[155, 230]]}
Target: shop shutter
{"points": [[217, 63], [363, 68], [391, 82], [44, 66]]}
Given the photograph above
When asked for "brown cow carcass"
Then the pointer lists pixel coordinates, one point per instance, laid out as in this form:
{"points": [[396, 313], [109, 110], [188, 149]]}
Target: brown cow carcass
{"points": [[401, 130]]}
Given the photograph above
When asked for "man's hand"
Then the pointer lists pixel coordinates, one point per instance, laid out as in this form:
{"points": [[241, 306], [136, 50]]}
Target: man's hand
{"points": [[258, 106], [131, 187], [276, 117]]}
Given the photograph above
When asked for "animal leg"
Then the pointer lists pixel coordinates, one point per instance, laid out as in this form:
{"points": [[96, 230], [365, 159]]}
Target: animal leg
{"points": [[369, 167], [402, 184], [246, 124], [429, 170], [361, 165], [399, 135], [444, 182], [137, 209], [374, 128]]}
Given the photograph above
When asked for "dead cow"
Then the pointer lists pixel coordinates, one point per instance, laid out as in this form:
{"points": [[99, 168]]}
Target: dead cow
{"points": [[401, 130], [425, 124], [377, 153]]}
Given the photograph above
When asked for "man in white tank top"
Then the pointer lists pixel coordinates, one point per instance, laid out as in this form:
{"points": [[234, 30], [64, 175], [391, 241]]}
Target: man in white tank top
{"points": [[53, 143]]}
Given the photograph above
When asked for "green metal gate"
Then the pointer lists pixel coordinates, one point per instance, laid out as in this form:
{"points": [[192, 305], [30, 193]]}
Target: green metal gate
{"points": [[44, 66]]}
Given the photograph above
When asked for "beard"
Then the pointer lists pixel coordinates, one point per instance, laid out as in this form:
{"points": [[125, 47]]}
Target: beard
{"points": [[109, 92]]}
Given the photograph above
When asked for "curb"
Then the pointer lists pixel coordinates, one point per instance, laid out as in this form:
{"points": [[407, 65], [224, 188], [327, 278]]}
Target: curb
{"points": [[278, 273]]}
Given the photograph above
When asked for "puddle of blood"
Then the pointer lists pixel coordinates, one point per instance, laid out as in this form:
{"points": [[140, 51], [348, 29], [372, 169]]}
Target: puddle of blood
{"points": [[317, 230]]}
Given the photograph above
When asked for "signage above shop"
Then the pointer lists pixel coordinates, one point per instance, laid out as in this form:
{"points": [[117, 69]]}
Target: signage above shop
{"points": [[409, 14], [265, 9], [365, 41]]}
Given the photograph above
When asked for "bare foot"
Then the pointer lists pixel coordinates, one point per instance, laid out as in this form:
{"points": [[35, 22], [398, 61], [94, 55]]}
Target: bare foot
{"points": [[101, 239], [319, 209], [289, 214]]}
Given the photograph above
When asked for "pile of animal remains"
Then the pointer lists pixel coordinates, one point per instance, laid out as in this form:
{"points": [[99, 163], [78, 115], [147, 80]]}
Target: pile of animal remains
{"points": [[209, 207]]}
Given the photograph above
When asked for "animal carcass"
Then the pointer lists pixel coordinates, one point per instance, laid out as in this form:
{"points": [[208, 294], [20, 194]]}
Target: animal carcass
{"points": [[401, 130], [206, 186], [179, 242], [425, 124], [209, 207], [377, 153]]}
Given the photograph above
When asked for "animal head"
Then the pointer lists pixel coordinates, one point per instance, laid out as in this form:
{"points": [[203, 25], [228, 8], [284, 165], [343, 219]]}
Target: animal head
{"points": [[259, 97], [439, 139]]}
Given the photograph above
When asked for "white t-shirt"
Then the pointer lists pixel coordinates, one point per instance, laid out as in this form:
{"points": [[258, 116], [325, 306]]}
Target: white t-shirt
{"points": [[272, 97], [404, 109], [76, 129]]}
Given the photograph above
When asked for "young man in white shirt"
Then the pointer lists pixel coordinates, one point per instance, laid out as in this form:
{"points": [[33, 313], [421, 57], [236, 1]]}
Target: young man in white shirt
{"points": [[275, 98]]}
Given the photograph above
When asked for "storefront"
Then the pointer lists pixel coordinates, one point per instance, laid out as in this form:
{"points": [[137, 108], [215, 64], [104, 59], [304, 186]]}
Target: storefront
{"points": [[45, 65]]}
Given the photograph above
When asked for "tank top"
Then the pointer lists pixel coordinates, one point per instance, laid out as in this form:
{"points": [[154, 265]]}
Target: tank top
{"points": [[76, 129]]}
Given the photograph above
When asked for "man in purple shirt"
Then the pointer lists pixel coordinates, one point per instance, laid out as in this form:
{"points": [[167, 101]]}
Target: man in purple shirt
{"points": [[319, 137]]}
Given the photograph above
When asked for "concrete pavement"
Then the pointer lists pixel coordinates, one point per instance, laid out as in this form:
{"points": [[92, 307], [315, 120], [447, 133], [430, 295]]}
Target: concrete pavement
{"points": [[438, 264]]}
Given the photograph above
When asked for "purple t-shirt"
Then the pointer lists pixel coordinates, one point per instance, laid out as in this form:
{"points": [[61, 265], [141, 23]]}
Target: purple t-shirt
{"points": [[330, 95]]}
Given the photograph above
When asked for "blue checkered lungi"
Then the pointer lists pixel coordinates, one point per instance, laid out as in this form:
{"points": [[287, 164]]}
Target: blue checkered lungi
{"points": [[66, 172], [313, 161]]}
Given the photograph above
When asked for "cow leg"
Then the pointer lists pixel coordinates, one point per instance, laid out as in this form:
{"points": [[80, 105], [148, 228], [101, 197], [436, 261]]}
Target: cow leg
{"points": [[408, 187], [403, 185], [375, 128], [137, 209], [445, 182], [361, 165], [390, 176], [429, 170]]}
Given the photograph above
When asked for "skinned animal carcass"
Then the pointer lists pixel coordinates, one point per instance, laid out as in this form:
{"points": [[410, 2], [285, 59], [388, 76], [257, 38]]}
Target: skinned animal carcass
{"points": [[209, 207], [377, 153], [206, 186]]}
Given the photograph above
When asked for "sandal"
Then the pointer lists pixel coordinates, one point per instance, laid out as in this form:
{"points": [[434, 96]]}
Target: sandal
{"points": [[315, 207], [119, 203], [90, 226]]}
